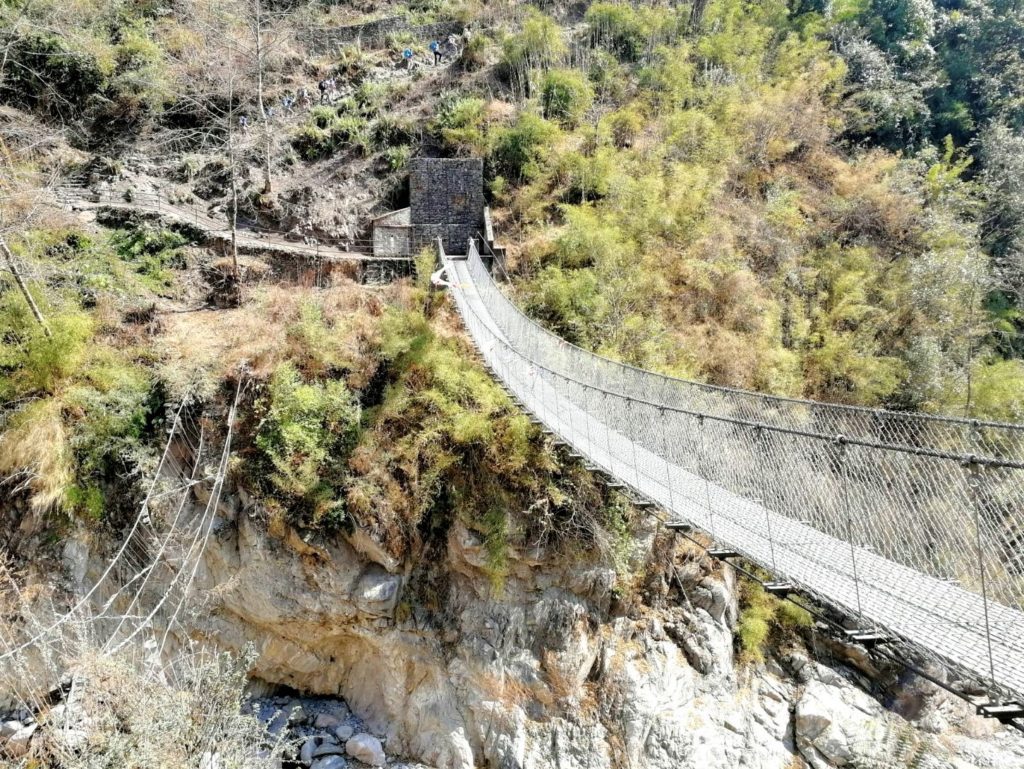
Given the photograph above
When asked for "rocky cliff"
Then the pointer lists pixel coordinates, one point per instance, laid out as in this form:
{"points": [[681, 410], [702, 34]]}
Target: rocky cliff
{"points": [[569, 664]]}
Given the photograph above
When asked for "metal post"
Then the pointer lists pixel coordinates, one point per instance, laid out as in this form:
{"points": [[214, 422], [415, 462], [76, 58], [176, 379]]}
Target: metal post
{"points": [[607, 432], [974, 485], [632, 445], [664, 456], [584, 388], [707, 481], [759, 442], [568, 401], [850, 536]]}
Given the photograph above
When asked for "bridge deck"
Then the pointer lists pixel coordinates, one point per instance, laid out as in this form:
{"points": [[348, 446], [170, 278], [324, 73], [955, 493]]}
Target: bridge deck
{"points": [[932, 614]]}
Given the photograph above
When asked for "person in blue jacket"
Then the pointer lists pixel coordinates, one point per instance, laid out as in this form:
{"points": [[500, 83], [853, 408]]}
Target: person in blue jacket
{"points": [[436, 48]]}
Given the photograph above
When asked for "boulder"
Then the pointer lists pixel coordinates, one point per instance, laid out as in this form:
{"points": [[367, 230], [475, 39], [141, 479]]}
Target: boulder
{"points": [[377, 591], [326, 721], [296, 713], [18, 743], [344, 733], [367, 749], [9, 728], [330, 762], [329, 749], [307, 750]]}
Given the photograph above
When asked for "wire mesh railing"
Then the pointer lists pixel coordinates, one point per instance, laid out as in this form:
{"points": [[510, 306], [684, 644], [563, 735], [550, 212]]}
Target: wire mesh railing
{"points": [[906, 521], [139, 597]]}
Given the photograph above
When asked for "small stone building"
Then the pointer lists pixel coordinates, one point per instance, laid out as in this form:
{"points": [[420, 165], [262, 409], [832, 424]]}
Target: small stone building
{"points": [[446, 200], [392, 233]]}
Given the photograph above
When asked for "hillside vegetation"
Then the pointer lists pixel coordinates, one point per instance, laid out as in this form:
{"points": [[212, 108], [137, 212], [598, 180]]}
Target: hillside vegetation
{"points": [[809, 201]]}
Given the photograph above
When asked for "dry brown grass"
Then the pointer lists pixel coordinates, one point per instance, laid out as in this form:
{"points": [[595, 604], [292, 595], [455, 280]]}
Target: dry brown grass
{"points": [[35, 456], [205, 346], [505, 689]]}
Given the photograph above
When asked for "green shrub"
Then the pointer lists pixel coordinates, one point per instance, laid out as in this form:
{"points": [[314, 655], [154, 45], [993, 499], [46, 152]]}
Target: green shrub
{"points": [[608, 76], [44, 72], [761, 616], [114, 404], [388, 130], [537, 46], [323, 116], [154, 253], [313, 143], [318, 348], [566, 301], [625, 125], [305, 434], [586, 177], [328, 130], [619, 27], [588, 239], [460, 121], [629, 31], [32, 362], [351, 131], [999, 390], [566, 96], [518, 150], [495, 526], [474, 55], [397, 158]]}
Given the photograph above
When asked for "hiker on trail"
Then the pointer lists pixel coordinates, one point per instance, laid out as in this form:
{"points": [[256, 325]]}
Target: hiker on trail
{"points": [[322, 85], [243, 123], [287, 102], [305, 97], [270, 114], [407, 58], [436, 48]]}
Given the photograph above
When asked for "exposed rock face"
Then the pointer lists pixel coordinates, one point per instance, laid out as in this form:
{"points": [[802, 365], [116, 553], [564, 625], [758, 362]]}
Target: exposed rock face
{"points": [[549, 674], [836, 724]]}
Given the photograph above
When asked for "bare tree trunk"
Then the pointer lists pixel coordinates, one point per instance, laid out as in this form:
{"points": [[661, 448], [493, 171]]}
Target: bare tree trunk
{"points": [[232, 169], [13, 267], [697, 14], [258, 33]]}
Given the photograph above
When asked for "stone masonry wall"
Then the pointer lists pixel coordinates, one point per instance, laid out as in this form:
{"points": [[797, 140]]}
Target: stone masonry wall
{"points": [[374, 34], [446, 198]]}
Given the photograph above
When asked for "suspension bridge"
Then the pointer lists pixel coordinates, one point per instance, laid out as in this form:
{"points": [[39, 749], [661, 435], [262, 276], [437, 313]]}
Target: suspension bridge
{"points": [[910, 525], [141, 596]]}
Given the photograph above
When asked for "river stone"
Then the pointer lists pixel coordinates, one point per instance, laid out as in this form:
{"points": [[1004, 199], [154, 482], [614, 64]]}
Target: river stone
{"points": [[329, 749], [307, 751], [330, 762], [344, 733], [326, 721], [17, 745], [367, 749], [9, 728]]}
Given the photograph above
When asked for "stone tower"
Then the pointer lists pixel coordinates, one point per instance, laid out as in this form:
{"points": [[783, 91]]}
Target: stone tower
{"points": [[446, 200]]}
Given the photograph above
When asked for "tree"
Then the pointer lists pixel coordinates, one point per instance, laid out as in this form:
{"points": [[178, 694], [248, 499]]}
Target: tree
{"points": [[1002, 154], [21, 194], [537, 47]]}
